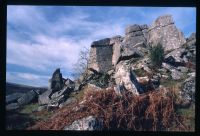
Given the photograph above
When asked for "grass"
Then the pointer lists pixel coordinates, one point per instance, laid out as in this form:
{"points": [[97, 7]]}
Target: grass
{"points": [[188, 117], [79, 95], [25, 117], [171, 82], [28, 109]]}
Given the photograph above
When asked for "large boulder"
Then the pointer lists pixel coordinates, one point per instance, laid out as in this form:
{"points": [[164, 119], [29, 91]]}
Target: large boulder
{"points": [[100, 58], [44, 98], [175, 57], [12, 98], [135, 36], [124, 75], [164, 31], [88, 123], [56, 82], [27, 98]]}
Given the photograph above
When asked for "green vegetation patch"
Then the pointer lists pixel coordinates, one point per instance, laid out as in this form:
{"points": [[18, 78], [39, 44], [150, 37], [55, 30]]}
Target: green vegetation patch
{"points": [[140, 72]]}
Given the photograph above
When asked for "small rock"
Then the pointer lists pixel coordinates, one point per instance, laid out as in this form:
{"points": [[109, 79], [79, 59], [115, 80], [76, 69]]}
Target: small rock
{"points": [[88, 123], [165, 76], [12, 106], [188, 92], [176, 75], [166, 66], [183, 69]]}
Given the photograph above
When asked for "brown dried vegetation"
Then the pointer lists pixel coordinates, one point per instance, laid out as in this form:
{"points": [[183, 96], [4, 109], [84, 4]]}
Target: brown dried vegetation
{"points": [[152, 111]]}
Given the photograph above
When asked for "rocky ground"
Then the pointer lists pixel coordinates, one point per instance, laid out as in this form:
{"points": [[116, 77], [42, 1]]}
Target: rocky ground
{"points": [[121, 89]]}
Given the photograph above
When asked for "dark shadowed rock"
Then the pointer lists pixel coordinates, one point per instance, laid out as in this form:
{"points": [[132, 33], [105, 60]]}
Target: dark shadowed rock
{"points": [[12, 98], [165, 32], [101, 42], [27, 98], [175, 57], [56, 82], [88, 123]]}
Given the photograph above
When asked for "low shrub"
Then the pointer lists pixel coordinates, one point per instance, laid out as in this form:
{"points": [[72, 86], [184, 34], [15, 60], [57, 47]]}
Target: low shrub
{"points": [[156, 55]]}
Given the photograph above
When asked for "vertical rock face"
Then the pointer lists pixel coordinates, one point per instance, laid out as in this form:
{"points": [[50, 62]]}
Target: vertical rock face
{"points": [[135, 36], [101, 55], [56, 82], [164, 31], [116, 42]]}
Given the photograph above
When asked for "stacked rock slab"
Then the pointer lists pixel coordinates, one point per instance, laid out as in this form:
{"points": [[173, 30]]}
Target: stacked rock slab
{"points": [[135, 36], [164, 31], [101, 55]]}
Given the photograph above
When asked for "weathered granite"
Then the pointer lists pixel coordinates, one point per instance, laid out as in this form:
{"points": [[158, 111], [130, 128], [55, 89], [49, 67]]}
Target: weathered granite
{"points": [[164, 31], [123, 75], [101, 55], [135, 36]]}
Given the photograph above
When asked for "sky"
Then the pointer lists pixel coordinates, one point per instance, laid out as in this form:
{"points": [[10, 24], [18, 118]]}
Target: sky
{"points": [[43, 38]]}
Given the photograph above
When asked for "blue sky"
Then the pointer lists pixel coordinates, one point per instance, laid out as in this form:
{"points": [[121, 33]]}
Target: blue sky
{"points": [[43, 38]]}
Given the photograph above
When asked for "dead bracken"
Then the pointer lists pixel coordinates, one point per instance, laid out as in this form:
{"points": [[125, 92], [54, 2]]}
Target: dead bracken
{"points": [[151, 111]]}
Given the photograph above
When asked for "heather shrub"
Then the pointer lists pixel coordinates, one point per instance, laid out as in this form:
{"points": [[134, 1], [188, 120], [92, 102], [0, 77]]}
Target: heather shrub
{"points": [[156, 55]]}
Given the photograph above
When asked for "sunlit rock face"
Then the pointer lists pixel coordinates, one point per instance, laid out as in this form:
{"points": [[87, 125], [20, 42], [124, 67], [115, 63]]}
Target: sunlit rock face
{"points": [[164, 31]]}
